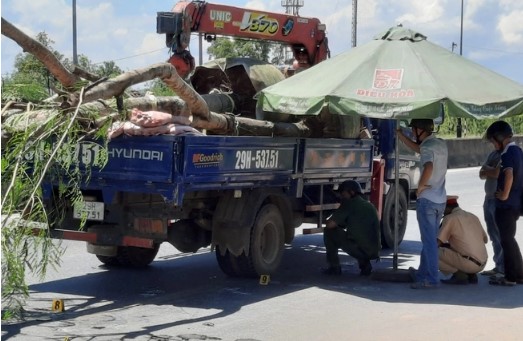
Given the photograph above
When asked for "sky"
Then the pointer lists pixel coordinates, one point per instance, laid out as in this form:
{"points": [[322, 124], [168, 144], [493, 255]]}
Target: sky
{"points": [[124, 31]]}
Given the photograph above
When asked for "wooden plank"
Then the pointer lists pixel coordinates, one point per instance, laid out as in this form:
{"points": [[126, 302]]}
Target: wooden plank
{"points": [[313, 230]]}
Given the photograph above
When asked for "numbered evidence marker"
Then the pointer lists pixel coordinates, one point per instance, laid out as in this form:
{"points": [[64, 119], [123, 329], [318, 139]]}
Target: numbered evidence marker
{"points": [[265, 279], [58, 306]]}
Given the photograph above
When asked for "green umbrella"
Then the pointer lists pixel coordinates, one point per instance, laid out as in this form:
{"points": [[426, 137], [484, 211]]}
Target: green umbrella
{"points": [[397, 75]]}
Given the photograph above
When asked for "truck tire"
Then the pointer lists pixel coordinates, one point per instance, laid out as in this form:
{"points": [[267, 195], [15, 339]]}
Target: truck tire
{"points": [[387, 218], [137, 257], [266, 244], [266, 247], [109, 261]]}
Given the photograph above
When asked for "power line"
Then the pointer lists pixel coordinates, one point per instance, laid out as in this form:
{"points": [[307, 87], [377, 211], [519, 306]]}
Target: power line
{"points": [[133, 56], [496, 50]]}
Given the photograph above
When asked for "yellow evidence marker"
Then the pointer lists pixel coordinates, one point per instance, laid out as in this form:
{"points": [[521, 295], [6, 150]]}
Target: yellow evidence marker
{"points": [[58, 306], [265, 279]]}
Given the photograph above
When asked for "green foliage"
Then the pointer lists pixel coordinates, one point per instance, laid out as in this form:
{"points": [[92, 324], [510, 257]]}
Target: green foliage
{"points": [[159, 88], [476, 128], [48, 149], [224, 47], [108, 69], [27, 64], [31, 81], [22, 88]]}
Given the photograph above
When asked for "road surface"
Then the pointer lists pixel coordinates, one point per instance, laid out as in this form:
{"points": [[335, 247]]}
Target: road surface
{"points": [[186, 297]]}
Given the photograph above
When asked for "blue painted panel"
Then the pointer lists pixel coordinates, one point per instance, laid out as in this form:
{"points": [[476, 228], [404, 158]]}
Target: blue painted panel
{"points": [[172, 166], [239, 156], [139, 158]]}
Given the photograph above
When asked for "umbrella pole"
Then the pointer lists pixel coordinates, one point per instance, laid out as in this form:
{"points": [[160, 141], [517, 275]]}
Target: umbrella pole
{"points": [[396, 200], [394, 275]]}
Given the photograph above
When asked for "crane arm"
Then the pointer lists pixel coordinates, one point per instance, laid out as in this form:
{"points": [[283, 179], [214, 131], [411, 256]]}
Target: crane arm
{"points": [[305, 36]]}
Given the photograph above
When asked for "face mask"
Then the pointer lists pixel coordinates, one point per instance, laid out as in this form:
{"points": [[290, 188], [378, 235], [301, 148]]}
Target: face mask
{"points": [[498, 146], [418, 136]]}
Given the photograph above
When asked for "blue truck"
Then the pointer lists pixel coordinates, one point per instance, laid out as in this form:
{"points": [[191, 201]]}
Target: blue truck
{"points": [[244, 196]]}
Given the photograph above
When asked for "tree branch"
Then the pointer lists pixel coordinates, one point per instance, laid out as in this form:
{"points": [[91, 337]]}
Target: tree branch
{"points": [[117, 85], [43, 54]]}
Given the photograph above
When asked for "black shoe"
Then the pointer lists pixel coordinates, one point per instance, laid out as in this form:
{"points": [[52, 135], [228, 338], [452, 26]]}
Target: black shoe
{"points": [[332, 271], [455, 280], [365, 268], [473, 279]]}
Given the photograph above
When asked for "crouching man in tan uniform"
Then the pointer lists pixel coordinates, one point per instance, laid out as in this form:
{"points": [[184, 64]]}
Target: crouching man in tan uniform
{"points": [[461, 241]]}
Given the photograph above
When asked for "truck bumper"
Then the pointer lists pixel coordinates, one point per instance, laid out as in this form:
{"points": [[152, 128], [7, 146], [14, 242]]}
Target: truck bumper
{"points": [[94, 238]]}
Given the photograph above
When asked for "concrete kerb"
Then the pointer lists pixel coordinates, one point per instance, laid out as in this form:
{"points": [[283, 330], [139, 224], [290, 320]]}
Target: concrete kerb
{"points": [[464, 152]]}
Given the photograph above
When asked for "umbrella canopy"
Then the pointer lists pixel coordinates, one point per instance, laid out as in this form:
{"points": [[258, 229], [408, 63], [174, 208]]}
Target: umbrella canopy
{"points": [[397, 75]]}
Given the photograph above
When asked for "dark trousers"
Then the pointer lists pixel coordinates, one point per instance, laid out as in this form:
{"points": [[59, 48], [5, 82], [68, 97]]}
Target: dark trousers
{"points": [[506, 220], [336, 238]]}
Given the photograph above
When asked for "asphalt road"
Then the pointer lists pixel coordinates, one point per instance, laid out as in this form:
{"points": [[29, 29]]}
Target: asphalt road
{"points": [[186, 297]]}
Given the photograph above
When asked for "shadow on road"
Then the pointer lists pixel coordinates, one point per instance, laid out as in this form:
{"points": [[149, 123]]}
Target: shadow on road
{"points": [[194, 281]]}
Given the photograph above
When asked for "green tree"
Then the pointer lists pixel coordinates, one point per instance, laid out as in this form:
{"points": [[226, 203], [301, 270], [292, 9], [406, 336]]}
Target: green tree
{"points": [[108, 69], [224, 47], [30, 81], [105, 69], [473, 128], [159, 88], [26, 156]]}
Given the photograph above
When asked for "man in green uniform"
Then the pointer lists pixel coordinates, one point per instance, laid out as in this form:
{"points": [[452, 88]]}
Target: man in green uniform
{"points": [[354, 227]]}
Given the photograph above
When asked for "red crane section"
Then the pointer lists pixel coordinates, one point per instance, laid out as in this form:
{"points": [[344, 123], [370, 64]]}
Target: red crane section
{"points": [[305, 36]]}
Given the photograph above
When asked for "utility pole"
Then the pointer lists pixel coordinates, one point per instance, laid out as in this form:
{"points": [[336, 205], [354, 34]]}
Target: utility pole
{"points": [[354, 21], [292, 7], [459, 127], [75, 53]]}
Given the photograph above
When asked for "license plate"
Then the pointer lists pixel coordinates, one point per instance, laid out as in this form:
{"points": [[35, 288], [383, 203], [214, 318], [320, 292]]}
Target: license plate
{"points": [[91, 210]]}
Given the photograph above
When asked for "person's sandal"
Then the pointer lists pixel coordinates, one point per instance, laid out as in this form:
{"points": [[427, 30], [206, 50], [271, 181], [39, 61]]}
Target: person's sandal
{"points": [[502, 281]]}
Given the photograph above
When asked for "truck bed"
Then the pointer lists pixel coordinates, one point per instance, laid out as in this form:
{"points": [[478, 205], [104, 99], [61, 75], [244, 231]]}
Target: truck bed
{"points": [[175, 165]]}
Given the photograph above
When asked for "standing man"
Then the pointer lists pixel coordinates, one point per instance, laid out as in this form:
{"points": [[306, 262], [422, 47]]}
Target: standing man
{"points": [[354, 227], [508, 201], [489, 172], [461, 241], [431, 197]]}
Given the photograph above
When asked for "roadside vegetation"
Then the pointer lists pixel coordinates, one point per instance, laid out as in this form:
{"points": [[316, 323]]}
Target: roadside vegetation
{"points": [[472, 128], [26, 157]]}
